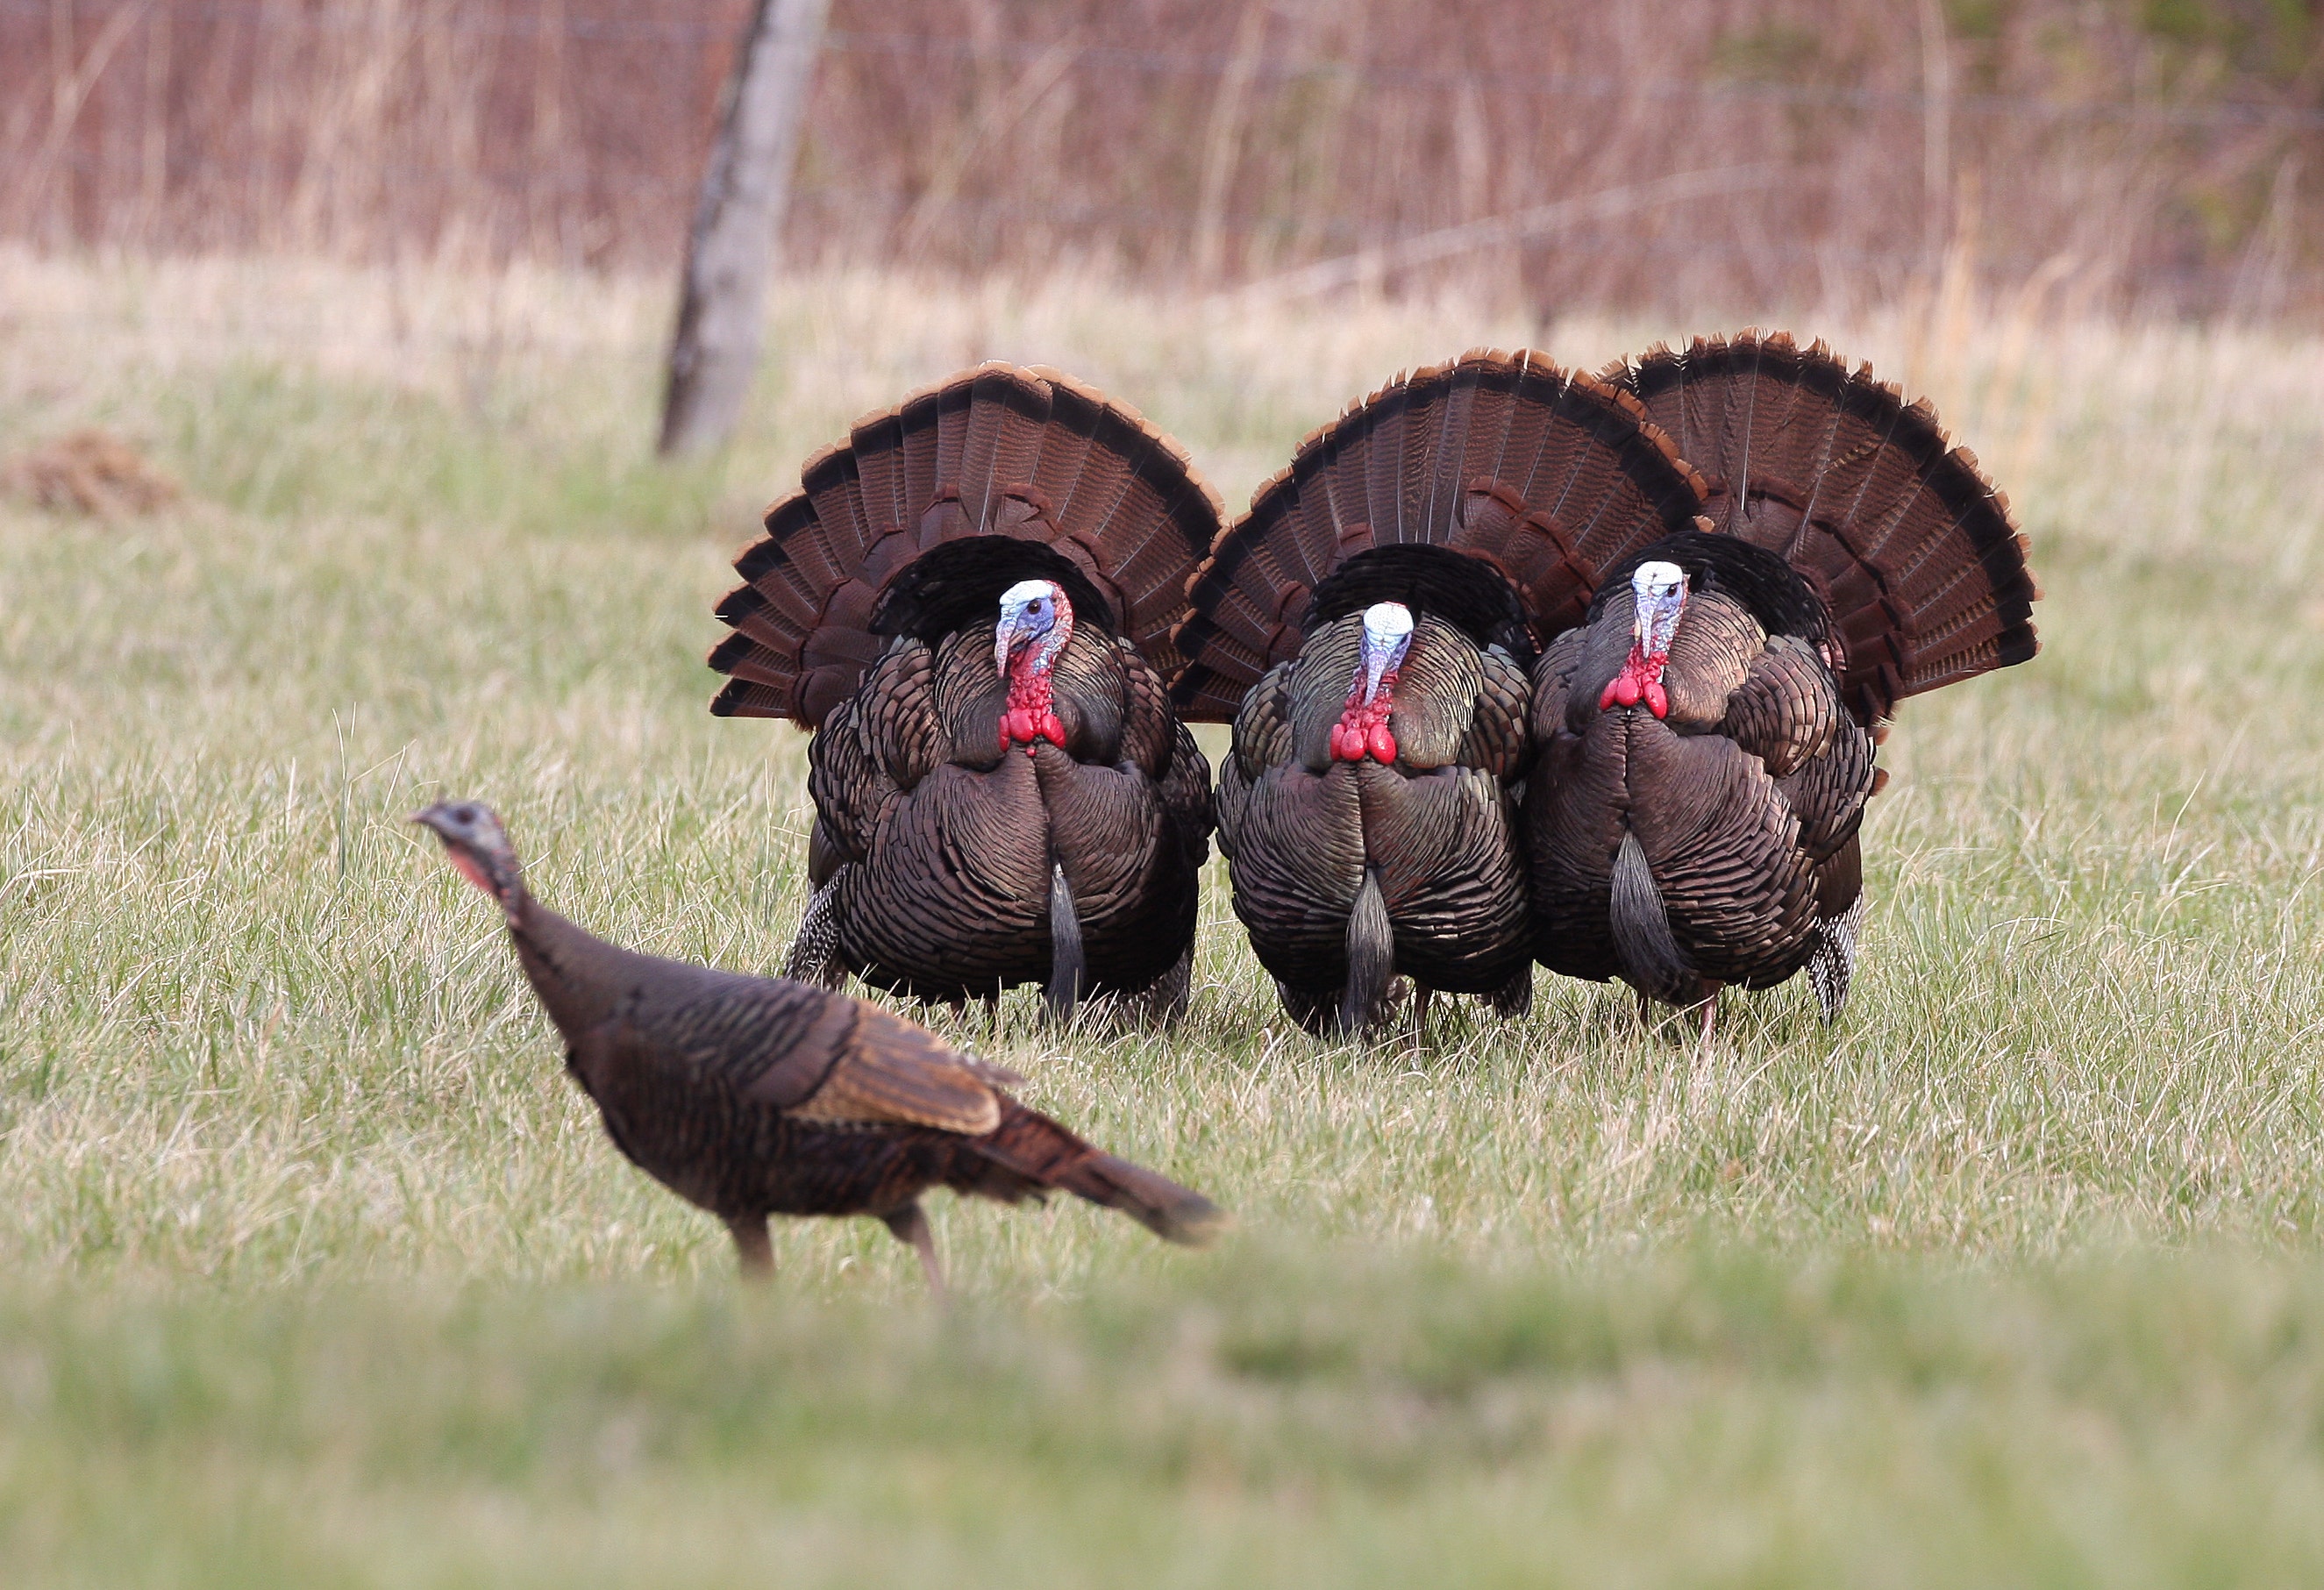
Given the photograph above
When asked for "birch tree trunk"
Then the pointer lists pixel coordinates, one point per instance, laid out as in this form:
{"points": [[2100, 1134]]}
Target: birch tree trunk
{"points": [[715, 348]]}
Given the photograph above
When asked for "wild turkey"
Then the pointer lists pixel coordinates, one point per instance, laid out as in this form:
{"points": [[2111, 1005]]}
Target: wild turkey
{"points": [[1368, 626], [970, 602], [752, 1097], [1706, 736]]}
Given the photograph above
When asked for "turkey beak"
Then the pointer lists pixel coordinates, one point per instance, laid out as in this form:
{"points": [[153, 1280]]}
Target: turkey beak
{"points": [[1004, 643]]}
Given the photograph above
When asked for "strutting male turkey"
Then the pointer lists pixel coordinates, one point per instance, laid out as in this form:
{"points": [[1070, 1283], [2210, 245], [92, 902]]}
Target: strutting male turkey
{"points": [[971, 603], [752, 1097], [1706, 737], [1367, 626]]}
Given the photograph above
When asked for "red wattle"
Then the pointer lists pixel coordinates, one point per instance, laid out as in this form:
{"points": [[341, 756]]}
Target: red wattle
{"points": [[1030, 715], [1362, 730], [1641, 680], [1029, 718]]}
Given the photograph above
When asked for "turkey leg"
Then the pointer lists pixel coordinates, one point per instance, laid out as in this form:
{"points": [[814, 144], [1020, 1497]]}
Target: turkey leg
{"points": [[758, 1254], [910, 1225]]}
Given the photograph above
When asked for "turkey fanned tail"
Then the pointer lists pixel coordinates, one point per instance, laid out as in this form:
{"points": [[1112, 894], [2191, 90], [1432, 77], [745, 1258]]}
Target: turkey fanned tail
{"points": [[1025, 453], [1911, 549]]}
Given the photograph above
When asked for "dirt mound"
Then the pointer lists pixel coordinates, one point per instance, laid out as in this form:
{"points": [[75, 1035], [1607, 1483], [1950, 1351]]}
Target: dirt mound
{"points": [[88, 472]]}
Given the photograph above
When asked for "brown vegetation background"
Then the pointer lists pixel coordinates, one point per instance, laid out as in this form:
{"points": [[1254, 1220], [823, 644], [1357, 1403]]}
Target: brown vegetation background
{"points": [[2122, 154]]}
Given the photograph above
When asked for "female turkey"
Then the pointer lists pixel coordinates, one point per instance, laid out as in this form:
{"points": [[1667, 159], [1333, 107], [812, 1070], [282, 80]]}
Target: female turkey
{"points": [[752, 1097], [1707, 735], [1366, 627], [971, 604]]}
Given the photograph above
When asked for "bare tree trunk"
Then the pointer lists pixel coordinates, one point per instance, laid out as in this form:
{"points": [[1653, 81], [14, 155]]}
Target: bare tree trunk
{"points": [[715, 348]]}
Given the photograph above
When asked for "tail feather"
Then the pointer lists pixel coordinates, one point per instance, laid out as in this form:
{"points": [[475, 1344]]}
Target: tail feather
{"points": [[1382, 450], [835, 492], [956, 402], [1549, 477], [998, 450], [919, 445], [1912, 550], [1137, 499], [1481, 420], [1045, 1153], [999, 440], [873, 448], [1171, 1212], [1076, 413], [1440, 449]]}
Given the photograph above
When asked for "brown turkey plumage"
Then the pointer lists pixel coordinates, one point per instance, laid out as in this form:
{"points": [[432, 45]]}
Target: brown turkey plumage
{"points": [[1706, 735], [970, 602], [752, 1097], [1366, 627]]}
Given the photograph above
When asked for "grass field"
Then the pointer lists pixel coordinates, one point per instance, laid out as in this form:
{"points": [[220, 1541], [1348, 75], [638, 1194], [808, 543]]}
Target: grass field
{"points": [[315, 1271]]}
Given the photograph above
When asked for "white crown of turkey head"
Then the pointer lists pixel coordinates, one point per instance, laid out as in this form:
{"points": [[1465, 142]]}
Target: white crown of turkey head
{"points": [[1387, 623]]}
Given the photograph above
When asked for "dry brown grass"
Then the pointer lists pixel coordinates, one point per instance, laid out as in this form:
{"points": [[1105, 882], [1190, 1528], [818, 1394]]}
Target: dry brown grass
{"points": [[2122, 154]]}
